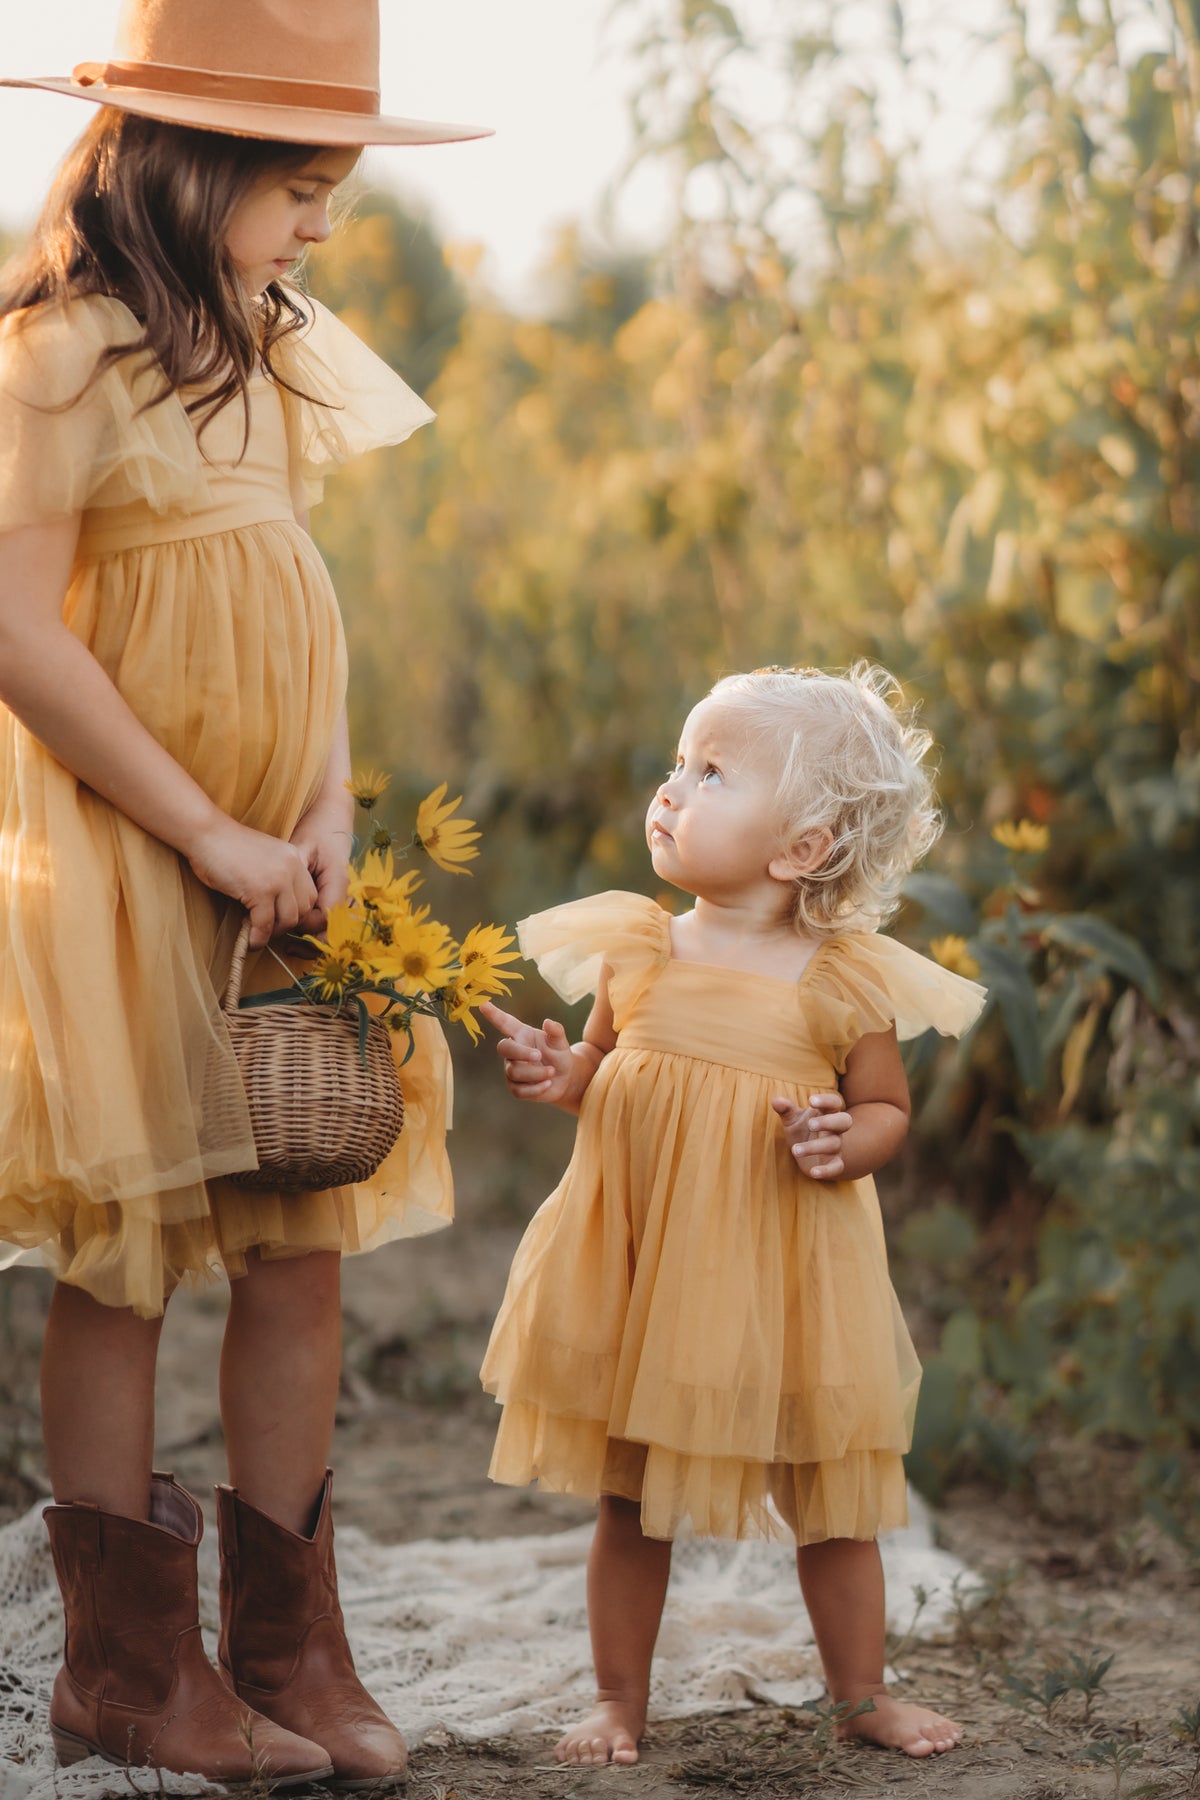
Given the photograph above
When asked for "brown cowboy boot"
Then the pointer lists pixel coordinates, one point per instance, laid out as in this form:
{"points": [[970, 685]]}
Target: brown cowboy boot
{"points": [[283, 1643], [135, 1686]]}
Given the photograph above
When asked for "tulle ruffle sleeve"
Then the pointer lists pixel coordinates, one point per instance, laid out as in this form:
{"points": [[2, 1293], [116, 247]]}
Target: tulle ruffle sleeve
{"points": [[69, 443], [363, 404], [569, 943], [863, 982]]}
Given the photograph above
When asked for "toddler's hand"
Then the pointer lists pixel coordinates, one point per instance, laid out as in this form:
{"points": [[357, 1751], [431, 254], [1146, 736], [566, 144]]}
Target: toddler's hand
{"points": [[814, 1133], [538, 1065]]}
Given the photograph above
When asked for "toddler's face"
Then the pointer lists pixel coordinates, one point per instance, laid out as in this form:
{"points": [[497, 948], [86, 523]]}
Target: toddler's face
{"points": [[713, 825], [285, 210]]}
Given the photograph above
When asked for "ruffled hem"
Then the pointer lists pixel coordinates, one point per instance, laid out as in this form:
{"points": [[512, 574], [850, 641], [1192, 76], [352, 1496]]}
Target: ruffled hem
{"points": [[857, 1496], [134, 1250]]}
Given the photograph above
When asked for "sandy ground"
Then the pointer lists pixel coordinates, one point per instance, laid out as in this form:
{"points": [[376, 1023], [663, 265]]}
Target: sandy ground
{"points": [[413, 1438]]}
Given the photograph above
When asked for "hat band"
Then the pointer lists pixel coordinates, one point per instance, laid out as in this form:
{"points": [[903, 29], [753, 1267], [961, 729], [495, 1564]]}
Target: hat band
{"points": [[248, 90]]}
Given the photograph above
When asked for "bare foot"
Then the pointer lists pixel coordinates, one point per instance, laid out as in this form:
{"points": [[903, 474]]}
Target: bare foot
{"points": [[609, 1734], [896, 1725]]}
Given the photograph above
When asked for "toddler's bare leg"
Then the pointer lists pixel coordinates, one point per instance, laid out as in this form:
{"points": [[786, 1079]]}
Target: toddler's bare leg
{"points": [[842, 1583], [627, 1584], [280, 1365], [98, 1366]]}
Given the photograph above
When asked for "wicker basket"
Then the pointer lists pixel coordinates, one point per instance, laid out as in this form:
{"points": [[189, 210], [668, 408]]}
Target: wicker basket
{"points": [[321, 1116]]}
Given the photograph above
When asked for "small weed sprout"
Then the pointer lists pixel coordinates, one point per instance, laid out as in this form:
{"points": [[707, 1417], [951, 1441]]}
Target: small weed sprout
{"points": [[830, 1717], [1086, 1677], [984, 1611], [1118, 1757], [1186, 1727], [897, 1648], [1047, 1693]]}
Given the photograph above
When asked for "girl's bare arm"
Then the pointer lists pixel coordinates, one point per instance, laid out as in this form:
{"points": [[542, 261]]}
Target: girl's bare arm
{"points": [[843, 1136], [58, 690]]}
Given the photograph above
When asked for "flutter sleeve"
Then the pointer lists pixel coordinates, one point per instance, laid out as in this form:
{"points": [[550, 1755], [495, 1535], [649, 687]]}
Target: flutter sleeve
{"points": [[68, 442], [570, 943], [352, 400], [863, 982]]}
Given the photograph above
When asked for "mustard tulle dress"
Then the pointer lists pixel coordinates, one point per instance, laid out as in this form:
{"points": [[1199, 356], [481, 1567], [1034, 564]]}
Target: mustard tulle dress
{"points": [[210, 609], [690, 1322]]}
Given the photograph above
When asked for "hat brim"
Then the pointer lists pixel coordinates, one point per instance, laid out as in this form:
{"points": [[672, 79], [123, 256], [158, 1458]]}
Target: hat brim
{"points": [[283, 124]]}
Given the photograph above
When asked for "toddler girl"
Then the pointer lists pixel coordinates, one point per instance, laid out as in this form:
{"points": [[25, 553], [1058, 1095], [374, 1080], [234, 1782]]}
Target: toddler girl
{"points": [[173, 755], [699, 1326]]}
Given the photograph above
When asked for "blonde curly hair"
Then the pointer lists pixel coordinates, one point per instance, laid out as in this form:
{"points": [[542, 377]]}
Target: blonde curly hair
{"points": [[851, 764]]}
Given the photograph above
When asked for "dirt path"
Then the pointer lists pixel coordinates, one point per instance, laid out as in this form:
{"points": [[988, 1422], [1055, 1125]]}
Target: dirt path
{"points": [[413, 1438]]}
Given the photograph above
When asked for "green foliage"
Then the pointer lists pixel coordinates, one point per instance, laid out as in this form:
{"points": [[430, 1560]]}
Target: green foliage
{"points": [[1045, 1693]]}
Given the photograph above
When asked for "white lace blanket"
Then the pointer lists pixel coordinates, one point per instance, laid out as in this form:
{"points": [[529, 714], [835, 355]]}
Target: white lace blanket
{"points": [[480, 1638]]}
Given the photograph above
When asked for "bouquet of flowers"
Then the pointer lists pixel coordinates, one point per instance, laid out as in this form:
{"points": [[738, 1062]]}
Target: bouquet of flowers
{"points": [[380, 942], [315, 1057]]}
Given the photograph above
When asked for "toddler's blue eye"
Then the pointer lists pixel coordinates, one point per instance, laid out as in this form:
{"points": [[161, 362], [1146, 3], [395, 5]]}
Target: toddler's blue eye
{"points": [[713, 772]]}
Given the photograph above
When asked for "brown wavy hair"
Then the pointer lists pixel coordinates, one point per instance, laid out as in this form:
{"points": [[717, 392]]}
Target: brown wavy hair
{"points": [[139, 211]]}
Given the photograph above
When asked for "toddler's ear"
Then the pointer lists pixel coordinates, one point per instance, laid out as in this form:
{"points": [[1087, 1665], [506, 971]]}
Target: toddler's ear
{"points": [[804, 856]]}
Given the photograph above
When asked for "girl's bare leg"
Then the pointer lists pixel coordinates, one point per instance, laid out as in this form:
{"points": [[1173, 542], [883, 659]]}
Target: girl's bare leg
{"points": [[280, 1365], [98, 1366], [842, 1583], [627, 1585]]}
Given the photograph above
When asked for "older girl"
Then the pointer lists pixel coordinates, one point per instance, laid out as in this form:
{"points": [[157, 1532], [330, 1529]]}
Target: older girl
{"points": [[173, 755]]}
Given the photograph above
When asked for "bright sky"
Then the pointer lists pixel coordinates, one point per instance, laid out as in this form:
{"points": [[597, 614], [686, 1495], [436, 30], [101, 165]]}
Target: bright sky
{"points": [[531, 68], [554, 85]]}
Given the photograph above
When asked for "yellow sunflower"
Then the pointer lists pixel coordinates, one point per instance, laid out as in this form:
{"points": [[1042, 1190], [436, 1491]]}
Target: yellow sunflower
{"points": [[481, 957], [345, 930], [376, 883], [458, 1002], [334, 973], [367, 786], [449, 841], [951, 951], [1022, 836], [418, 960]]}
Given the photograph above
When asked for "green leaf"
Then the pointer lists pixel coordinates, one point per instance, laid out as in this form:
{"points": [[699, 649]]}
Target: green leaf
{"points": [[962, 1342], [945, 900], [292, 996], [1011, 989], [364, 1029], [1113, 949], [938, 1428]]}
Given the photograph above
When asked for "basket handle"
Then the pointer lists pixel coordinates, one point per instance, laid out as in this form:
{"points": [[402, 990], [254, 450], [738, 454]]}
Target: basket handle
{"points": [[233, 987]]}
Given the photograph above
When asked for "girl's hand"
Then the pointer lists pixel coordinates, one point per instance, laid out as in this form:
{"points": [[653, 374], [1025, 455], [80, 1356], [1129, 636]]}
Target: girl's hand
{"points": [[815, 1133], [269, 878], [538, 1065], [542, 1065], [324, 840]]}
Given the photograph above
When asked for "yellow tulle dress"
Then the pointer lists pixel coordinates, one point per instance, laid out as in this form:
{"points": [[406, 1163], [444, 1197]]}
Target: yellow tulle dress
{"points": [[690, 1322], [210, 609]]}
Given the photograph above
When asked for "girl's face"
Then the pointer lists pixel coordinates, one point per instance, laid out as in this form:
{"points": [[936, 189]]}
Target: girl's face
{"points": [[281, 214], [713, 826]]}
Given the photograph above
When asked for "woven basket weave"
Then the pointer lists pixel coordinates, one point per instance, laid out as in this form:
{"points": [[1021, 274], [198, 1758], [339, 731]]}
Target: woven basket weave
{"points": [[321, 1115]]}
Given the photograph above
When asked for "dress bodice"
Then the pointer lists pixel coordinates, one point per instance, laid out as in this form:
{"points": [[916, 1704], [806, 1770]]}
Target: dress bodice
{"points": [[729, 1017], [231, 489]]}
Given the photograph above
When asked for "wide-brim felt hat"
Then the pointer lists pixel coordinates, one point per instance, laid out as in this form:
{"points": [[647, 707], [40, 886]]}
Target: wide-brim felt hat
{"points": [[299, 71]]}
